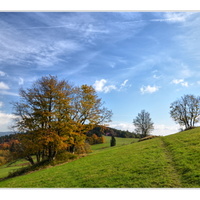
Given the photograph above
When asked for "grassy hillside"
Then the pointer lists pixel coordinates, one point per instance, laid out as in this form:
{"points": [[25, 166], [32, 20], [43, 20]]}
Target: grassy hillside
{"points": [[10, 167], [171, 161]]}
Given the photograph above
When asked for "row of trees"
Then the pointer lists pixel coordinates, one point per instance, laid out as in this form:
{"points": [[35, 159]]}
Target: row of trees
{"points": [[53, 116]]}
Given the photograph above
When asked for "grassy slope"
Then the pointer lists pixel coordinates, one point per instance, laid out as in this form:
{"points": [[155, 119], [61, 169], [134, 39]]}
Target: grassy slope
{"points": [[184, 149], [6, 169], [171, 161]]}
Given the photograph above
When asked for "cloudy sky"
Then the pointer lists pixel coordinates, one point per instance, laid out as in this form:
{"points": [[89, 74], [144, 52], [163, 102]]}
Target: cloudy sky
{"points": [[134, 60]]}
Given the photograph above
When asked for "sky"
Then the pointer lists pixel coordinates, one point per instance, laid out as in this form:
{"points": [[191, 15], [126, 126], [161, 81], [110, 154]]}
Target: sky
{"points": [[134, 60]]}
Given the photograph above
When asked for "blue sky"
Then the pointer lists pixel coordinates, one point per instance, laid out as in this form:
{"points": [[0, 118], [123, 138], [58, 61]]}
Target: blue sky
{"points": [[134, 60]]}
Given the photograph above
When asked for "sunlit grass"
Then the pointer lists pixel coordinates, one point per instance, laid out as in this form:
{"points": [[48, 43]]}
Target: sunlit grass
{"points": [[163, 162]]}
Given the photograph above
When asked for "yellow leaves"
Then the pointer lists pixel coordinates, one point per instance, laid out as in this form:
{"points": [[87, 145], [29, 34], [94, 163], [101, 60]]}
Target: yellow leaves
{"points": [[55, 114]]}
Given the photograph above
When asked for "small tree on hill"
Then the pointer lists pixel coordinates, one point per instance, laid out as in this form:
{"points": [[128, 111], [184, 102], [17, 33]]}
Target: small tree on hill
{"points": [[112, 141], [186, 111], [143, 123]]}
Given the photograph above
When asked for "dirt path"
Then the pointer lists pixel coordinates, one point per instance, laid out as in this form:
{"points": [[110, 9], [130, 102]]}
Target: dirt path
{"points": [[176, 178]]}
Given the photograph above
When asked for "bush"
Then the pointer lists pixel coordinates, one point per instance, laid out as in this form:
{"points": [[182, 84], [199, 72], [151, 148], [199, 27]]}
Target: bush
{"points": [[82, 149], [64, 156], [94, 139]]}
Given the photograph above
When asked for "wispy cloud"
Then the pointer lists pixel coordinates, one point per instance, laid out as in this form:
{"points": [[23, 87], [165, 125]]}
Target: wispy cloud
{"points": [[3, 92], [1, 104], [124, 83], [2, 73], [4, 86], [21, 81], [172, 17]]}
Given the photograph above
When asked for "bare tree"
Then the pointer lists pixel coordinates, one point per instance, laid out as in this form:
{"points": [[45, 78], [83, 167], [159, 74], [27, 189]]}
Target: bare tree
{"points": [[143, 123], [186, 111]]}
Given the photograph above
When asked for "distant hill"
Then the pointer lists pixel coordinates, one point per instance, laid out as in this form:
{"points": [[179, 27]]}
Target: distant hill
{"points": [[5, 133]]}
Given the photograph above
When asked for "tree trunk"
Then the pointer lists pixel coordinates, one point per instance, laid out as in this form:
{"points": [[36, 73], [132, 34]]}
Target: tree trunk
{"points": [[30, 159], [38, 156]]}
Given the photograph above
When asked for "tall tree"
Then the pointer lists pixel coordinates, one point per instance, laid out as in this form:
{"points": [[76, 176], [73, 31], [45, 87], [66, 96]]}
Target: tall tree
{"points": [[52, 115], [143, 123], [186, 111]]}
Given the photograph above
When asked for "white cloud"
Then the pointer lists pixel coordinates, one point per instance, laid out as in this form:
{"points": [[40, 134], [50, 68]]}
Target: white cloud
{"points": [[159, 129], [5, 121], [1, 104], [185, 84], [149, 89], [181, 82], [4, 86], [100, 86], [177, 81], [122, 126]]}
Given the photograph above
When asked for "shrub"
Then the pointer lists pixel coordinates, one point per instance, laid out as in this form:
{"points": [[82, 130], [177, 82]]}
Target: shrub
{"points": [[94, 139], [63, 157], [82, 149]]}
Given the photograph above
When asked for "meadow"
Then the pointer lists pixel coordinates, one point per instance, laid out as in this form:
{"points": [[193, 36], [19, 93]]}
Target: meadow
{"points": [[163, 162]]}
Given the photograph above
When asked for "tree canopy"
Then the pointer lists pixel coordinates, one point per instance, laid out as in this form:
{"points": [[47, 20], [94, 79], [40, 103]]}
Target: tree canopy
{"points": [[53, 115]]}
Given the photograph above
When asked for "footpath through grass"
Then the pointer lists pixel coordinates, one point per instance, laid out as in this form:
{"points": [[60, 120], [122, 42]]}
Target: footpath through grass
{"points": [[164, 162], [184, 148]]}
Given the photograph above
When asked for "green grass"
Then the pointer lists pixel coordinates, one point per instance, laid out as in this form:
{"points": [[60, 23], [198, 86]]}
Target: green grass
{"points": [[7, 168], [184, 148], [164, 162]]}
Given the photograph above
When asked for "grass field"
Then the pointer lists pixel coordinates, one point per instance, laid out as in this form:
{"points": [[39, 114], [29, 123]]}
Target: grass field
{"points": [[164, 162], [119, 142], [6, 169]]}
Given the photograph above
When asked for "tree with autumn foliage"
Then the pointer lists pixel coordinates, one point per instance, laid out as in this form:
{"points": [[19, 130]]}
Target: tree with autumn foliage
{"points": [[54, 115]]}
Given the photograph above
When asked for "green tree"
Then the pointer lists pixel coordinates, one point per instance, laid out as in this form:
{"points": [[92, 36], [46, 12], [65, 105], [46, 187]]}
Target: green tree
{"points": [[112, 141], [143, 123]]}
